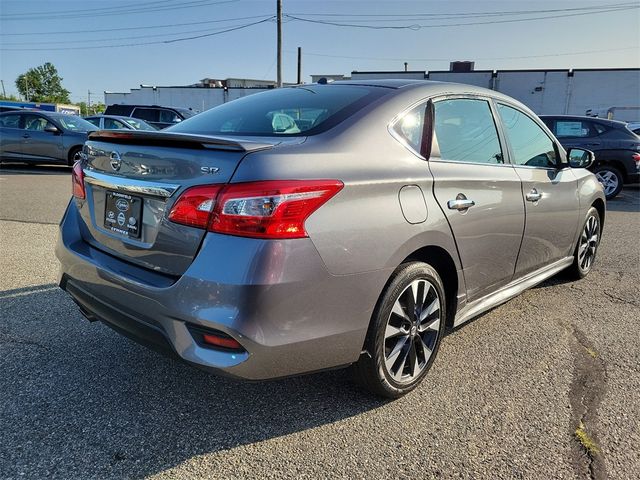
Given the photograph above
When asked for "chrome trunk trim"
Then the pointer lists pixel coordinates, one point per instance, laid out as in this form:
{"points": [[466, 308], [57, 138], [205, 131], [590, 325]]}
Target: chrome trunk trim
{"points": [[140, 187]]}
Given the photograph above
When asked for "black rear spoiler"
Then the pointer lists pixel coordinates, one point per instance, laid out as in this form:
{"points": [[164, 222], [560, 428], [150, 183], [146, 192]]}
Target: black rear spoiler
{"points": [[179, 140]]}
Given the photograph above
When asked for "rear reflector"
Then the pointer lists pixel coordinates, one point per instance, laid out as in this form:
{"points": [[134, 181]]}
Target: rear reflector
{"points": [[77, 181], [268, 209], [220, 341]]}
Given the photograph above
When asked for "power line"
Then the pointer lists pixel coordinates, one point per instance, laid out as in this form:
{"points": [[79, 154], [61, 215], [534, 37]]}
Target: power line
{"points": [[166, 41], [142, 27], [395, 59], [135, 37], [134, 10], [490, 22]]}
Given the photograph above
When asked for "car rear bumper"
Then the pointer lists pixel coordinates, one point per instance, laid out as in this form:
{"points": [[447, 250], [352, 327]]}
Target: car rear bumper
{"points": [[276, 298]]}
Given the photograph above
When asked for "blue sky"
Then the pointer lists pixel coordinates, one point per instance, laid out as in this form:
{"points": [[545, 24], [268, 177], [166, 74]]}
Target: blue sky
{"points": [[36, 31]]}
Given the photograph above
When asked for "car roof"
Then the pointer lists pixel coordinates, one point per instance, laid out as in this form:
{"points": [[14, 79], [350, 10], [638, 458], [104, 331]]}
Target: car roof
{"points": [[383, 82]]}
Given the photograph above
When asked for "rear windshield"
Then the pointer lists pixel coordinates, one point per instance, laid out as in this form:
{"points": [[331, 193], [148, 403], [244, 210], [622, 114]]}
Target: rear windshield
{"points": [[294, 111]]}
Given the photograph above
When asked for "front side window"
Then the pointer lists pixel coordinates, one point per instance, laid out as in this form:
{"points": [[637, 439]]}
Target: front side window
{"points": [[147, 114], [35, 123], [167, 116], [112, 124], [93, 121], [530, 144], [465, 131]]}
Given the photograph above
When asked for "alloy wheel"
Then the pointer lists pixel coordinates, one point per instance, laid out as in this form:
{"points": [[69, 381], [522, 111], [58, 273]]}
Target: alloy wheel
{"points": [[588, 243], [609, 181], [412, 331]]}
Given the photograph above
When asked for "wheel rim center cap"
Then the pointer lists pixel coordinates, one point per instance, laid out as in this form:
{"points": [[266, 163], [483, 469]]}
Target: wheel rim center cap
{"points": [[414, 329]]}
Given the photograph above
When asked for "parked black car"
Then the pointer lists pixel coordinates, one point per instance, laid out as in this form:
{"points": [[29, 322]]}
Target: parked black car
{"points": [[155, 115], [42, 137], [617, 148]]}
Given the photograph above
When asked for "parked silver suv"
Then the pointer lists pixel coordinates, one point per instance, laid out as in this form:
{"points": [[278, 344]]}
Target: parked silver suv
{"points": [[390, 210]]}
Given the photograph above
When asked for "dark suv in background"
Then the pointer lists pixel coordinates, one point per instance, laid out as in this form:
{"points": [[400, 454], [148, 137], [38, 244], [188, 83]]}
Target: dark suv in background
{"points": [[617, 148], [155, 115]]}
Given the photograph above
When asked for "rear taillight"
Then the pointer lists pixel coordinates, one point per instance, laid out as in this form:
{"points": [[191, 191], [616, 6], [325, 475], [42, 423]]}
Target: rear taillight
{"points": [[636, 158], [77, 181], [195, 205], [267, 209]]}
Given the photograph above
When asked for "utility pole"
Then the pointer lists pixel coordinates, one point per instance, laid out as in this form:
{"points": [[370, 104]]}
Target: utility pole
{"points": [[26, 84], [88, 102], [4, 94], [279, 15], [299, 65]]}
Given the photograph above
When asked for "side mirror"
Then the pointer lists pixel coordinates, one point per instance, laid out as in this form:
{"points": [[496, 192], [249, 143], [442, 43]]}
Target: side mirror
{"points": [[580, 158], [51, 129]]}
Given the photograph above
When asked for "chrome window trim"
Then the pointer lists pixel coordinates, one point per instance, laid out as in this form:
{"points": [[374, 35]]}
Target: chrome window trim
{"points": [[141, 187]]}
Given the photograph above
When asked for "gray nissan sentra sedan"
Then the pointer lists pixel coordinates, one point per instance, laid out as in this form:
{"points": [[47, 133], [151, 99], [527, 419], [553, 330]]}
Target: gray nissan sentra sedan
{"points": [[322, 226]]}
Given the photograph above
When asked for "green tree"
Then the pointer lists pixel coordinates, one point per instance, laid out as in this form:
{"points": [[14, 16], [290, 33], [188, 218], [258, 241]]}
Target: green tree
{"points": [[42, 84], [11, 98], [94, 109]]}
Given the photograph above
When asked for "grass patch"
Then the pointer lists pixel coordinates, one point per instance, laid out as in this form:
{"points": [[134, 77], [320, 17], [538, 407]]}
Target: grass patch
{"points": [[586, 441]]}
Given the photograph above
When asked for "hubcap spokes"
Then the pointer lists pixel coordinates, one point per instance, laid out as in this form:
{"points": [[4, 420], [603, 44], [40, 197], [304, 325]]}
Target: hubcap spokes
{"points": [[608, 180], [412, 331], [588, 243]]}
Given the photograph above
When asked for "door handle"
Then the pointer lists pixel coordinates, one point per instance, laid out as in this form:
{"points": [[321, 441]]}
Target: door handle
{"points": [[460, 203], [533, 195]]}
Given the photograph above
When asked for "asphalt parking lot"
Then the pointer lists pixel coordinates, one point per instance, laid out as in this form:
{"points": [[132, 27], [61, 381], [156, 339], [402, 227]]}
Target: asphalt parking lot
{"points": [[503, 400]]}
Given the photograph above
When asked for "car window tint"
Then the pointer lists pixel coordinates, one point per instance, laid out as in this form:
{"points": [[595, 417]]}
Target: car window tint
{"points": [[112, 124], [167, 116], [572, 128], [10, 121], [411, 126], [599, 128], [466, 132], [94, 121], [35, 123], [148, 114], [530, 144]]}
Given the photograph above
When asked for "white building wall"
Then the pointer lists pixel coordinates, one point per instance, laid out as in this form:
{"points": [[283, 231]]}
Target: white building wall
{"points": [[479, 79], [196, 98]]}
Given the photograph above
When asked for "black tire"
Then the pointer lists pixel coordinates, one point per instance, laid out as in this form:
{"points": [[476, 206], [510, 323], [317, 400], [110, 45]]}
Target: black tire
{"points": [[73, 155], [583, 260], [611, 179], [372, 370]]}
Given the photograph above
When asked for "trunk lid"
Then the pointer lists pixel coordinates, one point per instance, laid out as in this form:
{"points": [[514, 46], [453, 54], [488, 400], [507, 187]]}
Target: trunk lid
{"points": [[132, 180]]}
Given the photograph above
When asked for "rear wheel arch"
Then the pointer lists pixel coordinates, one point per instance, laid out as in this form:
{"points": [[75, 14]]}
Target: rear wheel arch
{"points": [[72, 152], [444, 264], [617, 164]]}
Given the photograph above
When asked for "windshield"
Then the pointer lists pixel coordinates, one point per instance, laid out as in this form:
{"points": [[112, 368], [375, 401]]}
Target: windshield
{"points": [[291, 111], [139, 124], [74, 123]]}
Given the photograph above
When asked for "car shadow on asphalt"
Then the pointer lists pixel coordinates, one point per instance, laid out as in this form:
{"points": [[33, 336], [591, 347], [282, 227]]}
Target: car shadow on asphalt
{"points": [[81, 401], [30, 169]]}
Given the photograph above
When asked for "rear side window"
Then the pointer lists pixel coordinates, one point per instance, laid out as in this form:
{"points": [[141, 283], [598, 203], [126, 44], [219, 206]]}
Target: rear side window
{"points": [[530, 144], [466, 132], [168, 116], [94, 121], [124, 110], [410, 126], [10, 121], [147, 114], [291, 111], [113, 124], [574, 129]]}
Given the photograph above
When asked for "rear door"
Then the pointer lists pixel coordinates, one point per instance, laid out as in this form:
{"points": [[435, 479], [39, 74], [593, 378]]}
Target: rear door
{"points": [[11, 136], [38, 144], [478, 192], [549, 189]]}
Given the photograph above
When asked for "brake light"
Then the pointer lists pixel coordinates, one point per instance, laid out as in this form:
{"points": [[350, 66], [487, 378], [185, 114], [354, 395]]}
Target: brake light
{"points": [[270, 209], [77, 181], [194, 206], [636, 158], [221, 341], [266, 209]]}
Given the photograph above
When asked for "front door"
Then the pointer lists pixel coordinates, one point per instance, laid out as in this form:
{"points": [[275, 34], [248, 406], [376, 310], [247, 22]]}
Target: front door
{"points": [[38, 144], [478, 192], [549, 189]]}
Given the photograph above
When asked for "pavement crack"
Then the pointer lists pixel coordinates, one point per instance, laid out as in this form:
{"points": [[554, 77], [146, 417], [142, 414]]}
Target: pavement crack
{"points": [[587, 390], [8, 339], [616, 298]]}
